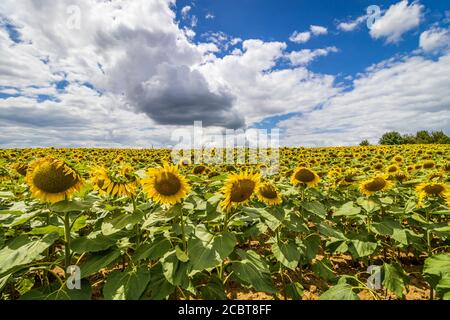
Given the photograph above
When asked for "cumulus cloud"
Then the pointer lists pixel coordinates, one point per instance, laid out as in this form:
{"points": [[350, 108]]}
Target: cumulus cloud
{"points": [[305, 56], [351, 25], [405, 96], [302, 37], [434, 39], [397, 20], [318, 30]]}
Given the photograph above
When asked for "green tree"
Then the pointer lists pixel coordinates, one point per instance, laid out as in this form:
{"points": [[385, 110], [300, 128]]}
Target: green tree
{"points": [[423, 137], [439, 137], [364, 143], [390, 138]]}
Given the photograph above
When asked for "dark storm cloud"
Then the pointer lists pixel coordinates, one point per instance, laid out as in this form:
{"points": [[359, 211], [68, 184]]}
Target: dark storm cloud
{"points": [[155, 77]]}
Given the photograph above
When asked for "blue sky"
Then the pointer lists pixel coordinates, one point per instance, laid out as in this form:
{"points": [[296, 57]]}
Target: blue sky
{"points": [[131, 73]]}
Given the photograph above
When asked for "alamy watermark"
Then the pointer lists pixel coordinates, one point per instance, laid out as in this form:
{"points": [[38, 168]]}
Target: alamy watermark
{"points": [[250, 146]]}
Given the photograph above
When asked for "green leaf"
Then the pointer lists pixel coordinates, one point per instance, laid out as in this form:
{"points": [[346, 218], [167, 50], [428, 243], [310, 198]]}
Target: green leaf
{"points": [[71, 206], [213, 290], [155, 250], [316, 207], [47, 229], [443, 287], [60, 293], [253, 270], [394, 278], [209, 251], [287, 254], [436, 267], [159, 288], [23, 250], [294, 290], [25, 285], [181, 255], [115, 224], [342, 291], [348, 209], [323, 269], [98, 261], [93, 242], [175, 271], [368, 205], [127, 285], [272, 219], [360, 248]]}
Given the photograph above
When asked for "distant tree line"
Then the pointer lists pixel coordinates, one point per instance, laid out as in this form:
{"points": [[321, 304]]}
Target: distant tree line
{"points": [[421, 137]]}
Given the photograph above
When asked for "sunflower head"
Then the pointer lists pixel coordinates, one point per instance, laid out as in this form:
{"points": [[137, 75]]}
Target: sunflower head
{"points": [[239, 188], [431, 189], [375, 184], [305, 176], [115, 181], [269, 194], [21, 168], [165, 185], [52, 180]]}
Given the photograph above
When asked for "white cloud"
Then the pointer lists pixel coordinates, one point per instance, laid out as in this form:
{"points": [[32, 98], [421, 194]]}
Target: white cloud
{"points": [[434, 39], [305, 56], [351, 25], [185, 11], [404, 96], [300, 37], [209, 16], [397, 20], [318, 30]]}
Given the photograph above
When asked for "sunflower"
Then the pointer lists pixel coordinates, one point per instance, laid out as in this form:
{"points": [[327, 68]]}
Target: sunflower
{"points": [[21, 168], [165, 185], [375, 184], [239, 188], [115, 181], [200, 169], [431, 189], [269, 194], [306, 176], [52, 180]]}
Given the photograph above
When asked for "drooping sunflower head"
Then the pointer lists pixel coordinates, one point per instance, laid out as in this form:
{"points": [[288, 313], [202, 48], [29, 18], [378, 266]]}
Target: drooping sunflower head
{"points": [[375, 184], [239, 188], [305, 176], [199, 169], [21, 168], [269, 194], [165, 185], [52, 180], [392, 169], [115, 181], [431, 189], [429, 164]]}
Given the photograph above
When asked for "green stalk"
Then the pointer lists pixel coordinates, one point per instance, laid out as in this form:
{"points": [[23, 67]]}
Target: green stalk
{"points": [[67, 240], [183, 234]]}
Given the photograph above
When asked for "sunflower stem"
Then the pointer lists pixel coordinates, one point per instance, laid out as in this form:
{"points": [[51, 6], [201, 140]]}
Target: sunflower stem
{"points": [[67, 228], [183, 234]]}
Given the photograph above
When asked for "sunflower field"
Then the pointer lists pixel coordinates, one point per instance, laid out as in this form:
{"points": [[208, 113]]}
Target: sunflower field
{"points": [[332, 223]]}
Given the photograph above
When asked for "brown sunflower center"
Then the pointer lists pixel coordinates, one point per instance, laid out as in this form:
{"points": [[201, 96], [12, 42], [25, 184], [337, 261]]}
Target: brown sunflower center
{"points": [[167, 184], [433, 189], [304, 175], [52, 179], [199, 169], [376, 184], [428, 165], [242, 190], [392, 169], [268, 191]]}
